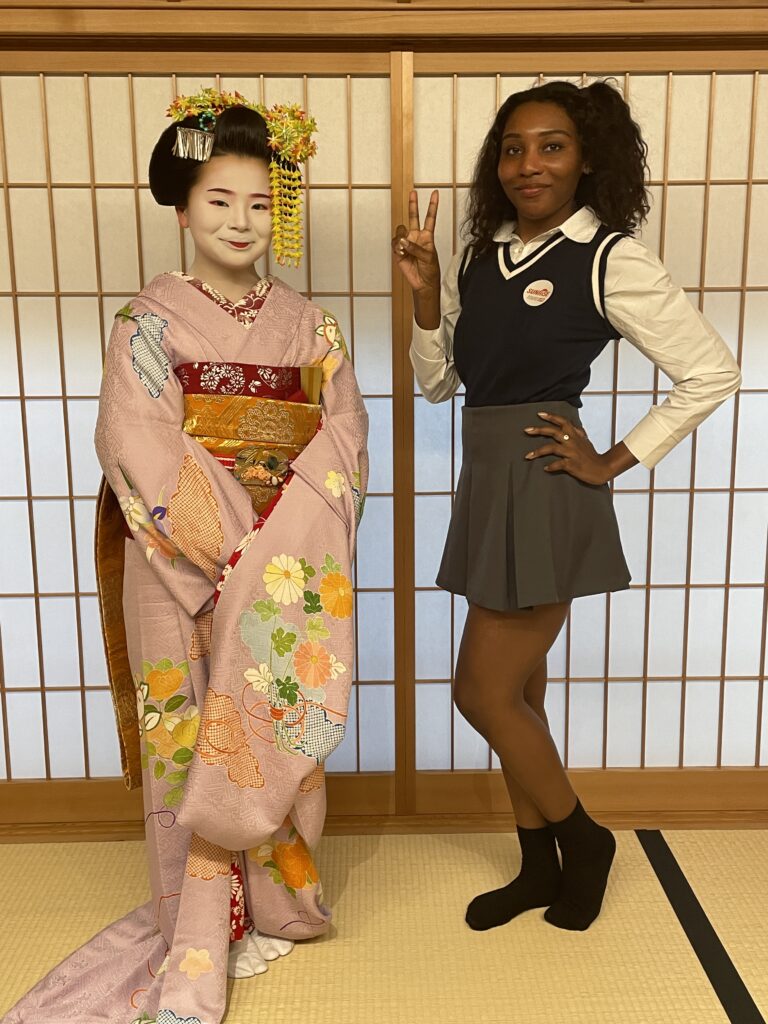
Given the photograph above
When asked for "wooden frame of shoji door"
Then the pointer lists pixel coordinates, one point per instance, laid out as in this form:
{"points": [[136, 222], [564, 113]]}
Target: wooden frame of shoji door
{"points": [[406, 799]]}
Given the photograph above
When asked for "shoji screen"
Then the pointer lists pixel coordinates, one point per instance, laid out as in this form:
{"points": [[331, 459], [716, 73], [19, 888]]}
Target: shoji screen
{"points": [[669, 672], [83, 236]]}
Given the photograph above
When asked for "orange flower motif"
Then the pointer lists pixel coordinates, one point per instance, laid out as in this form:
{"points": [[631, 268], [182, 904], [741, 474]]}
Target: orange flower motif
{"points": [[295, 864], [164, 742], [336, 593], [312, 663], [164, 684]]}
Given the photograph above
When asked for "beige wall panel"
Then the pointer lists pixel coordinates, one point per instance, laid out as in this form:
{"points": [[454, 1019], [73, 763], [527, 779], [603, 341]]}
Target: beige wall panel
{"points": [[327, 103], [750, 521], [625, 718], [81, 338], [5, 266], [53, 546], [58, 629], [648, 101], [701, 714], [249, 86], [731, 126], [15, 577], [369, 127], [112, 129], [17, 615], [47, 452], [39, 352], [725, 235], [705, 631], [371, 252], [13, 478], [151, 98], [757, 260], [710, 526], [432, 142], [665, 639], [662, 717], [683, 235], [739, 722], [296, 277], [754, 361], [67, 127], [688, 126], [475, 110], [189, 85], [670, 530], [745, 621], [103, 752], [65, 735], [32, 256], [117, 239], [750, 450], [330, 248], [761, 134], [627, 621], [585, 721], [159, 237], [86, 472], [9, 378], [635, 369], [373, 325], [94, 666], [75, 252], [284, 90], [85, 515], [25, 728], [509, 84], [588, 636], [23, 124]]}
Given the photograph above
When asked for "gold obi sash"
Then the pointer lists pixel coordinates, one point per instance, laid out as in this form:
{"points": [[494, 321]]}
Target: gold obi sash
{"points": [[257, 439]]}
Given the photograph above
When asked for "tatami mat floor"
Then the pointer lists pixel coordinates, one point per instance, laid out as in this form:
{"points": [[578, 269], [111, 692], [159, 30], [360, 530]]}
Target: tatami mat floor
{"points": [[399, 952]]}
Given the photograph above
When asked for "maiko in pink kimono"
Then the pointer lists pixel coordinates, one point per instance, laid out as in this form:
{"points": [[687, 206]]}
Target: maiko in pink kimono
{"points": [[232, 436]]}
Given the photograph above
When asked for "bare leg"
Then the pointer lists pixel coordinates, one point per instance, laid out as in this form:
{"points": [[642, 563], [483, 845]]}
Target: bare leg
{"points": [[527, 813], [499, 653]]}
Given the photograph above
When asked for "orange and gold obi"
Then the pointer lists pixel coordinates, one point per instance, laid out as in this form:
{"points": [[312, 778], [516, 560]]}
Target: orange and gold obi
{"points": [[256, 438]]}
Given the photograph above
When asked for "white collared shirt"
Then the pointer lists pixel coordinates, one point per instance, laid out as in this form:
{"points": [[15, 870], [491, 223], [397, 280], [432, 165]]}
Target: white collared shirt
{"points": [[642, 303]]}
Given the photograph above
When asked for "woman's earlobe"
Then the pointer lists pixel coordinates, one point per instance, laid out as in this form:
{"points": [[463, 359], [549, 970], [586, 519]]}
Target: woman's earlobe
{"points": [[181, 213]]}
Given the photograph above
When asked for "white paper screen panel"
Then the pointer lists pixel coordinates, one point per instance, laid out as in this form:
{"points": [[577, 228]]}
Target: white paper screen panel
{"points": [[668, 673], [83, 235]]}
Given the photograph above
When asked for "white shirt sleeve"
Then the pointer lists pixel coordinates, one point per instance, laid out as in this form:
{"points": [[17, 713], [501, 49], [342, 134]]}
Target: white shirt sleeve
{"points": [[432, 351], [656, 316]]}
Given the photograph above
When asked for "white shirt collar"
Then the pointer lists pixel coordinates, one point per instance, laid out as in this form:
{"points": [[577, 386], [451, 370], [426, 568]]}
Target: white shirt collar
{"points": [[580, 227]]}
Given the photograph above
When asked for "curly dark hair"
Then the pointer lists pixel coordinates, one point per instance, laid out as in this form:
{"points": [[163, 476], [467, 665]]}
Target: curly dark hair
{"points": [[239, 131], [611, 145]]}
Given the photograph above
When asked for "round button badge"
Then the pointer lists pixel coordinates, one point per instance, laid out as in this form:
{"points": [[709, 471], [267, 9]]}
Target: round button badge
{"points": [[538, 292]]}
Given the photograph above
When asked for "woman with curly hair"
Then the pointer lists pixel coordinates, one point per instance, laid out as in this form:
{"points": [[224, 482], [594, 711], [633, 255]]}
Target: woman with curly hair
{"points": [[551, 274]]}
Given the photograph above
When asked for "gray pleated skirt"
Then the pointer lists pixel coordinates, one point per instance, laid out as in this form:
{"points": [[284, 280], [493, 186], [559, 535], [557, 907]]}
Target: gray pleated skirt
{"points": [[518, 536]]}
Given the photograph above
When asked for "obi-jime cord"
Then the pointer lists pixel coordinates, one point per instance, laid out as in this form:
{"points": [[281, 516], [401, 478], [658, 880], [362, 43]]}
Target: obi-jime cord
{"points": [[232, 436]]}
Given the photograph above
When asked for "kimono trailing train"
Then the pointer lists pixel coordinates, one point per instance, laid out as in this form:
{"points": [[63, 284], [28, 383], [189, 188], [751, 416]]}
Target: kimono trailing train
{"points": [[241, 494]]}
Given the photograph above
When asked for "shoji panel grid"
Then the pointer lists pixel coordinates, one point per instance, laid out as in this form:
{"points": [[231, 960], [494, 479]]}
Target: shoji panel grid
{"points": [[83, 235], [671, 672]]}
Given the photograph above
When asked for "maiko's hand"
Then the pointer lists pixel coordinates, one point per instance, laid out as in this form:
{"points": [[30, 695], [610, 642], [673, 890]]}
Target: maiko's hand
{"points": [[574, 451], [415, 250]]}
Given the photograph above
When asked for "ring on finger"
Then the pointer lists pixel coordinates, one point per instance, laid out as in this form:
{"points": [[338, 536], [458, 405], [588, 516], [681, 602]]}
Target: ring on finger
{"points": [[566, 437]]}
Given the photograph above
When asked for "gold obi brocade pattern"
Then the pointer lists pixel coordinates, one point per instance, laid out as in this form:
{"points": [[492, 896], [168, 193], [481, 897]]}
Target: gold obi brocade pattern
{"points": [[257, 438]]}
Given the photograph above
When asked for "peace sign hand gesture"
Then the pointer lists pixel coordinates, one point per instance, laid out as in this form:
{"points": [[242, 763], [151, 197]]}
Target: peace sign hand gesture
{"points": [[415, 250]]}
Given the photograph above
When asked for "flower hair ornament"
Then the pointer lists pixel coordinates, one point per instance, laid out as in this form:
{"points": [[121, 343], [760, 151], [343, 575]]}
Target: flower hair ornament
{"points": [[289, 136]]}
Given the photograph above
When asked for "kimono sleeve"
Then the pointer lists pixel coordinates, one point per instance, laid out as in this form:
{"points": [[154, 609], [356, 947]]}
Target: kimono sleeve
{"points": [[182, 506], [335, 462]]}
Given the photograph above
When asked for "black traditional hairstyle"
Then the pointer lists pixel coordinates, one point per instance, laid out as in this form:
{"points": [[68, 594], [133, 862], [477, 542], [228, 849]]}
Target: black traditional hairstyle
{"points": [[239, 131], [611, 145]]}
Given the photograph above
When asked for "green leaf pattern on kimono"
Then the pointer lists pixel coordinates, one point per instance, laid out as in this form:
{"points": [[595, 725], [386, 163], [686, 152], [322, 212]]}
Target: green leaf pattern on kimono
{"points": [[292, 662], [168, 728]]}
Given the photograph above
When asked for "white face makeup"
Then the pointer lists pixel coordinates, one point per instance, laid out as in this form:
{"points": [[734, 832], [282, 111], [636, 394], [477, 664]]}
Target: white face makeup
{"points": [[228, 215]]}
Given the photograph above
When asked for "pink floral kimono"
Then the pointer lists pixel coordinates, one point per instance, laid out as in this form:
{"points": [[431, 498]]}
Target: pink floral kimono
{"points": [[240, 495]]}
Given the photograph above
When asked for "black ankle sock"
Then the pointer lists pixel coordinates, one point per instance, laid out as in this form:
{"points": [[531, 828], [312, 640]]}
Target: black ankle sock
{"points": [[537, 885], [588, 850]]}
